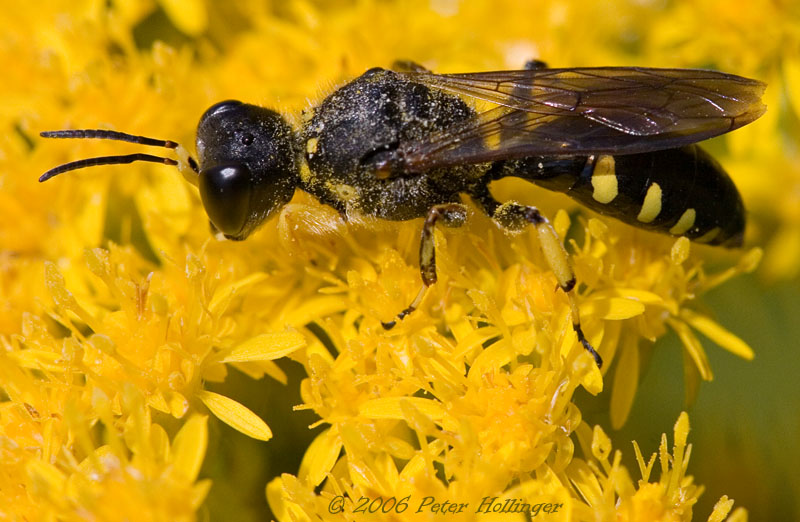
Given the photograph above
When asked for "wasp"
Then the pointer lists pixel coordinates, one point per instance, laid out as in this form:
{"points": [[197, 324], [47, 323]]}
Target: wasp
{"points": [[406, 143]]}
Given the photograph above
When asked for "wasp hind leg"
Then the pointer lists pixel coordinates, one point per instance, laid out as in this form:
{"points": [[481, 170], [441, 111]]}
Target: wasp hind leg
{"points": [[514, 216], [453, 214]]}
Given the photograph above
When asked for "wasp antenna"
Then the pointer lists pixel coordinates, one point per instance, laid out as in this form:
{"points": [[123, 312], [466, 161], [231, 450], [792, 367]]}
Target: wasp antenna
{"points": [[185, 163], [105, 160], [101, 134]]}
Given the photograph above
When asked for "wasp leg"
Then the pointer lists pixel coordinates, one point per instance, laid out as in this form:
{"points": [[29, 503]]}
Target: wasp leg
{"points": [[514, 216], [408, 66], [453, 214]]}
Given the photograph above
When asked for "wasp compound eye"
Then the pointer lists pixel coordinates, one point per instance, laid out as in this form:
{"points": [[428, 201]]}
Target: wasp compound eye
{"points": [[225, 191]]}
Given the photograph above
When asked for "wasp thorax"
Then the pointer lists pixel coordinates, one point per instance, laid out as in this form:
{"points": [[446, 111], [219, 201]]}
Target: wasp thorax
{"points": [[247, 165]]}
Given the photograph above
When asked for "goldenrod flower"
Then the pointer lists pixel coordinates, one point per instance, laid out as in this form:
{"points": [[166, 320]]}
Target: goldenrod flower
{"points": [[54, 470], [595, 487], [118, 308]]}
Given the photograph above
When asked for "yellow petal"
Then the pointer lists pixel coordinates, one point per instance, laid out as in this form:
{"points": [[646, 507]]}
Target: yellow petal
{"points": [[199, 493], [387, 470], [315, 308], [266, 347], [320, 457], [414, 468], [691, 379], [644, 469], [178, 404], [495, 356], [281, 492], [791, 72], [626, 379], [601, 444], [783, 253], [45, 479], [718, 334], [170, 200], [235, 415], [693, 346], [615, 308], [721, 509], [189, 447], [474, 339], [62, 297], [681, 432], [157, 401], [635, 294], [592, 380], [190, 16], [275, 499], [598, 229], [390, 408], [419, 420], [273, 370], [586, 482], [224, 294], [561, 223], [39, 360]]}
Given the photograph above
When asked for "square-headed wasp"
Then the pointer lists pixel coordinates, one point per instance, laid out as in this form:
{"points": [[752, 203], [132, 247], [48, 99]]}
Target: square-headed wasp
{"points": [[404, 143]]}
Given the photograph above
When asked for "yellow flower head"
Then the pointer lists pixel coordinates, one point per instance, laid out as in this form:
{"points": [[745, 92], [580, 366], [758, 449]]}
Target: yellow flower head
{"points": [[121, 315]]}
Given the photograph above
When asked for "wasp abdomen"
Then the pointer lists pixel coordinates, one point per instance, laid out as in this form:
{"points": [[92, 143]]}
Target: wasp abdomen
{"points": [[682, 192]]}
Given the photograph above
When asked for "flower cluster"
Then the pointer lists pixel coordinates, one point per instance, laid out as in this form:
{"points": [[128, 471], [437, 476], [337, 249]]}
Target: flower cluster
{"points": [[118, 306]]}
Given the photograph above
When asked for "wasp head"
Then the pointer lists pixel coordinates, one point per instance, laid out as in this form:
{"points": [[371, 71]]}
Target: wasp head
{"points": [[247, 167]]}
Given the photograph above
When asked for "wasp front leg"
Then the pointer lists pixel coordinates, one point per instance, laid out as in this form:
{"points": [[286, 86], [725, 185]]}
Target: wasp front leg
{"points": [[513, 216], [453, 214]]}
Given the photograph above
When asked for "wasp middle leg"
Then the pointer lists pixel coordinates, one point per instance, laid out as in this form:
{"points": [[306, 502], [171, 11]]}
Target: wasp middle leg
{"points": [[453, 214], [513, 216]]}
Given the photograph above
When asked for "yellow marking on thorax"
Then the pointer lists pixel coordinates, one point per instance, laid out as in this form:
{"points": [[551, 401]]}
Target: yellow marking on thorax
{"points": [[311, 145], [708, 236], [343, 191], [604, 179], [651, 207], [305, 173], [684, 223]]}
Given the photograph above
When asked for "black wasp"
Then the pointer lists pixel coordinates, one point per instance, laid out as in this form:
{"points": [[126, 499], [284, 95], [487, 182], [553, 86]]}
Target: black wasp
{"points": [[405, 143]]}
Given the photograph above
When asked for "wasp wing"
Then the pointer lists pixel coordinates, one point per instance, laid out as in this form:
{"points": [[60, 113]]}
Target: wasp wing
{"points": [[612, 110]]}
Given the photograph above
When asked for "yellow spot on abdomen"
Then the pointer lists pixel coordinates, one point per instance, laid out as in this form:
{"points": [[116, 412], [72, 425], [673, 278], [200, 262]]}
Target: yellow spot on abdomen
{"points": [[604, 180], [651, 207], [684, 223], [708, 236]]}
